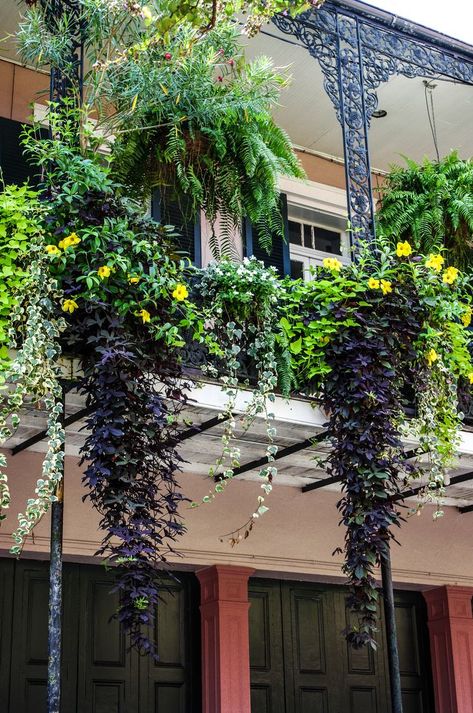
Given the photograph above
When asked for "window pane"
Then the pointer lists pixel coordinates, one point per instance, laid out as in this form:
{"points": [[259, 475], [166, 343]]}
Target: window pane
{"points": [[328, 241], [308, 236], [297, 269], [295, 233]]}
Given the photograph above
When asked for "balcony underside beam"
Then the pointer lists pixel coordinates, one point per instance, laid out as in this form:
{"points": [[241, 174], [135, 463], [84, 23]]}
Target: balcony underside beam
{"points": [[337, 479], [283, 453]]}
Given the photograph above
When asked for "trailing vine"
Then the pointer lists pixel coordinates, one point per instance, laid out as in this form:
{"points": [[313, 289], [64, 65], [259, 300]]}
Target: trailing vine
{"points": [[360, 337], [124, 300], [240, 321]]}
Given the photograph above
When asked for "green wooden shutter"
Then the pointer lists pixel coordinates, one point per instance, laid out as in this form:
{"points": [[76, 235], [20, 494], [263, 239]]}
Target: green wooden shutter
{"points": [[13, 163], [279, 256], [174, 213]]}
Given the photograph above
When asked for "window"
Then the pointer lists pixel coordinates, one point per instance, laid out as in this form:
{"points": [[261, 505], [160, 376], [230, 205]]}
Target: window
{"points": [[313, 236]]}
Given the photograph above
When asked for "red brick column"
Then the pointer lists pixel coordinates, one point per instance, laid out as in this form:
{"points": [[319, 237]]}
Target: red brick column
{"points": [[451, 643], [225, 639]]}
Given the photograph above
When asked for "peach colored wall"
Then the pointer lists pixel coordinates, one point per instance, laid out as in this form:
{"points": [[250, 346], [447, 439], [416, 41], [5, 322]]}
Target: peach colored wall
{"points": [[19, 89], [322, 170], [295, 538]]}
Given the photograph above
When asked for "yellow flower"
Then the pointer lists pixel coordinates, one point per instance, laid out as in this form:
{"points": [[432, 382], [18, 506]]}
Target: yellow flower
{"points": [[470, 377], [373, 284], [466, 316], [431, 356], [331, 263], [450, 275], [403, 249], [133, 279], [69, 241], [104, 272], [69, 306], [180, 293], [52, 250], [386, 286], [145, 315], [435, 262]]}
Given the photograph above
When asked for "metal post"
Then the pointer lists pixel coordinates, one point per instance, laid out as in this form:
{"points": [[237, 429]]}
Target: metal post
{"points": [[55, 594], [391, 633]]}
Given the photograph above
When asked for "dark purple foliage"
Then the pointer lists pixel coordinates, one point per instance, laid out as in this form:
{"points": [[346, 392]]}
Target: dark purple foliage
{"points": [[371, 365]]}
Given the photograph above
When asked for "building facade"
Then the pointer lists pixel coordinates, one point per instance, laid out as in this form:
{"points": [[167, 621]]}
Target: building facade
{"points": [[257, 627]]}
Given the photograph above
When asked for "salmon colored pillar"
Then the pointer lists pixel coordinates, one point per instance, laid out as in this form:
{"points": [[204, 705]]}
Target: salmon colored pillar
{"points": [[451, 643], [225, 639]]}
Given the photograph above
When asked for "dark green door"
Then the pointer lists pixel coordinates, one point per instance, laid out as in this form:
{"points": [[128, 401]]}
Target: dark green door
{"points": [[99, 674], [300, 662]]}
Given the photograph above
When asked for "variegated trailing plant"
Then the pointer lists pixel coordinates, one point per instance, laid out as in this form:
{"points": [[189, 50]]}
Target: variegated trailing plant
{"points": [[238, 324], [30, 327]]}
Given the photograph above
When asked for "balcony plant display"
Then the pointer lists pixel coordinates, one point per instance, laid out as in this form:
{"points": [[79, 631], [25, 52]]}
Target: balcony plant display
{"points": [[358, 336], [102, 282], [431, 204]]}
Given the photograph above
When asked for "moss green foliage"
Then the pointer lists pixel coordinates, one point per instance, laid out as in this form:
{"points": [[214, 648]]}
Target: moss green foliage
{"points": [[431, 204]]}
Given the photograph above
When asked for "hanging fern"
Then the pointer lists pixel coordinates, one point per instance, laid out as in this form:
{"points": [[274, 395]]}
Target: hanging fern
{"points": [[201, 125], [432, 205]]}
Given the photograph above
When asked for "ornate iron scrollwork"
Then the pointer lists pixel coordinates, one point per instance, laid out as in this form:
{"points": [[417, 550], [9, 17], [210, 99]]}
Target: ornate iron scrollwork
{"points": [[357, 52]]}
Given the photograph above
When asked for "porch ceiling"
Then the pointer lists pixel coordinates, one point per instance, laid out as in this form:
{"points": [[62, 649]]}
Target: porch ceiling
{"points": [[309, 117], [201, 450]]}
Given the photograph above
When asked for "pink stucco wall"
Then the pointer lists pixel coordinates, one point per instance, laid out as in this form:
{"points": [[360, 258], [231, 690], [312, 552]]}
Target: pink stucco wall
{"points": [[295, 538]]}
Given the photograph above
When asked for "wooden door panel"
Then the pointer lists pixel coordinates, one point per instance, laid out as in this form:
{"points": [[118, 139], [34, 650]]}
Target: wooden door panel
{"points": [[168, 685], [414, 652], [363, 699], [313, 700], [35, 696], [308, 630], [106, 637], [107, 674], [169, 698], [266, 648], [29, 652], [261, 699], [108, 696], [309, 654], [406, 625], [362, 672]]}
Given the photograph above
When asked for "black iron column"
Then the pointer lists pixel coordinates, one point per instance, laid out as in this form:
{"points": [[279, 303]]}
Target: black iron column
{"points": [[391, 633], [55, 590], [55, 603]]}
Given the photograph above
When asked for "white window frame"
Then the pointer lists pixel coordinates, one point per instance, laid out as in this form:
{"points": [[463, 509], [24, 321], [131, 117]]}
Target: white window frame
{"points": [[326, 200]]}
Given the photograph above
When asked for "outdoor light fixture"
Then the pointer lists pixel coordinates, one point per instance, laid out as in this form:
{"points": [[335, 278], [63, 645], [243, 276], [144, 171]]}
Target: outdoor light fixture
{"points": [[379, 114]]}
